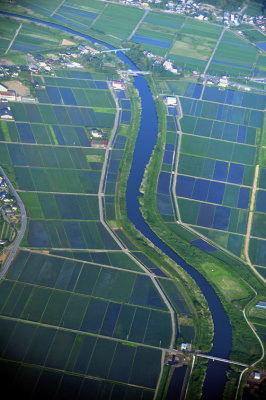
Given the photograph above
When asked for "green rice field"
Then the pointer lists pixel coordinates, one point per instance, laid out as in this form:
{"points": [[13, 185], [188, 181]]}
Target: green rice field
{"points": [[78, 306]]}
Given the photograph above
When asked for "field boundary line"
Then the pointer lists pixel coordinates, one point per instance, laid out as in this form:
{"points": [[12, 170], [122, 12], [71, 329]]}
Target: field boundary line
{"points": [[62, 328], [212, 55], [249, 226], [138, 24], [12, 41], [100, 14], [175, 36], [57, 8]]}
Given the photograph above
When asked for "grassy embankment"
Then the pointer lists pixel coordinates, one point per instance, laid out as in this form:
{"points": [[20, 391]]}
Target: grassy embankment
{"points": [[227, 278]]}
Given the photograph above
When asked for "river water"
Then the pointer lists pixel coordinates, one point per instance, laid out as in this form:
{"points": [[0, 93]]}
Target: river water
{"points": [[146, 140]]}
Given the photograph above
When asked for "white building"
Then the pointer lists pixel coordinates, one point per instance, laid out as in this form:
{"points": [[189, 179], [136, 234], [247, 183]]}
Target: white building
{"points": [[117, 85], [171, 101]]}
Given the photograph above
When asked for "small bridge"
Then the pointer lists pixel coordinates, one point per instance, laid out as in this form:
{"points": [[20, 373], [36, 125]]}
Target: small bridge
{"points": [[213, 358], [114, 50], [134, 73]]}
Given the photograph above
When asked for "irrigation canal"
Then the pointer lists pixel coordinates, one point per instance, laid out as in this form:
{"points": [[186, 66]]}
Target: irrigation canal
{"points": [[146, 140]]}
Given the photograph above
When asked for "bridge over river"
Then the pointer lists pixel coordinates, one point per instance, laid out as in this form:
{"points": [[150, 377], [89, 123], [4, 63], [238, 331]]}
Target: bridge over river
{"points": [[213, 358]]}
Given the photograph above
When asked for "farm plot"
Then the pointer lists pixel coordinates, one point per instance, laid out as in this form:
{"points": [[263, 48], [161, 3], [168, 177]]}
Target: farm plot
{"points": [[54, 114], [64, 351], [34, 38], [197, 40], [163, 22], [260, 68], [7, 32], [69, 234], [39, 7], [6, 231], [116, 22], [222, 112], [216, 167], [74, 15], [76, 97], [154, 39], [75, 307], [86, 287], [233, 56], [117, 259], [236, 98]]}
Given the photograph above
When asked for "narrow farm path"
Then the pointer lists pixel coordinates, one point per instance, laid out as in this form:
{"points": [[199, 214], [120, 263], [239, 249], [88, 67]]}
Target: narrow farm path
{"points": [[57, 8], [138, 24], [215, 48], [12, 41]]}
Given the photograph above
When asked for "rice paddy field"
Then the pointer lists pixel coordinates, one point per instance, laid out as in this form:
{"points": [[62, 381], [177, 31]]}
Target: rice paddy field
{"points": [[187, 42], [227, 60], [215, 170], [77, 313]]}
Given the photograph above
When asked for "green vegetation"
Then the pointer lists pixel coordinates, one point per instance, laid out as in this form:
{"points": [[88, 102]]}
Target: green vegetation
{"points": [[197, 379]]}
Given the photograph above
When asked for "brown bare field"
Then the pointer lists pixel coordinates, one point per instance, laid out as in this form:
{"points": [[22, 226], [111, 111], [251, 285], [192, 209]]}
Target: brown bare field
{"points": [[66, 42], [19, 88]]}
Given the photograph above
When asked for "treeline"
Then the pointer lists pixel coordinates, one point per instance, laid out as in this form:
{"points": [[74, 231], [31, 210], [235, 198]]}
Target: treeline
{"points": [[144, 63]]}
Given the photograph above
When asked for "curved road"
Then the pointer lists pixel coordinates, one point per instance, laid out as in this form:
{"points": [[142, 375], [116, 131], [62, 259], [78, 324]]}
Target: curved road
{"points": [[15, 245]]}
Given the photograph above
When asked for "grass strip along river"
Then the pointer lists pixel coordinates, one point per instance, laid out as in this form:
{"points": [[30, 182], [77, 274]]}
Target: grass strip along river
{"points": [[146, 140]]}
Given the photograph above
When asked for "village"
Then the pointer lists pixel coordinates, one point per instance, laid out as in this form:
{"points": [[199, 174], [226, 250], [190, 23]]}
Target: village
{"points": [[202, 12], [9, 210]]}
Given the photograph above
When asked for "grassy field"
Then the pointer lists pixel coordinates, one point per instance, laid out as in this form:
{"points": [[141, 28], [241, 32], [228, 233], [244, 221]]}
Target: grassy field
{"points": [[116, 23], [228, 61]]}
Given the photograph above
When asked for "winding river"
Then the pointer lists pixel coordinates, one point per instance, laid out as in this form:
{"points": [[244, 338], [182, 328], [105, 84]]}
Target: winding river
{"points": [[146, 140]]}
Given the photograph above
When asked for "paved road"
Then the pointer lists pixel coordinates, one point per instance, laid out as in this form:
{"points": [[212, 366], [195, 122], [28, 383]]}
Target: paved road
{"points": [[15, 245]]}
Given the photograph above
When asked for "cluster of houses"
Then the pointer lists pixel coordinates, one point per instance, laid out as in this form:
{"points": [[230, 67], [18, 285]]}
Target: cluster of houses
{"points": [[221, 82], [202, 12], [9, 71], [8, 206], [168, 66], [7, 201]]}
